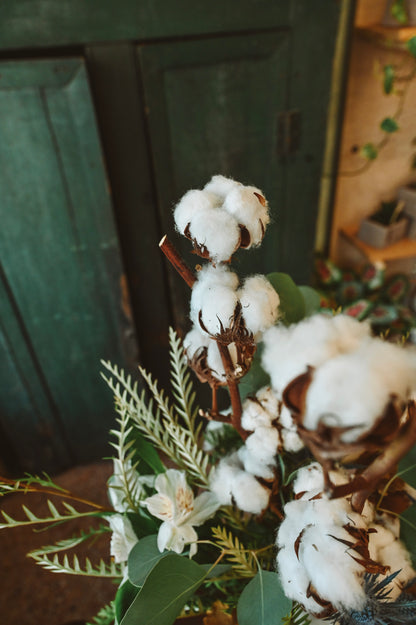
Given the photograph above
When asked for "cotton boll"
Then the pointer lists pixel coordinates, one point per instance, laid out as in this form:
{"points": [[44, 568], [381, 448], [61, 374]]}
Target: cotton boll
{"points": [[260, 303], [258, 411], [249, 494], [194, 341], [335, 575], [309, 478], [223, 476], [295, 580], [214, 298], [191, 204], [291, 441], [221, 186], [249, 210], [255, 465], [289, 351], [269, 401], [353, 389], [350, 332], [396, 556], [217, 231]]}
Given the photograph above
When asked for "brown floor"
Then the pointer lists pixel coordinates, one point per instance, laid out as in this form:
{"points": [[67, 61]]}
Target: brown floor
{"points": [[30, 595]]}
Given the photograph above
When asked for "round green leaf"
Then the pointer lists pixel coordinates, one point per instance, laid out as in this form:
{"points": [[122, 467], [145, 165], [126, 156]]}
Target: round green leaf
{"points": [[124, 598], [411, 46], [388, 78], [292, 303], [142, 558], [312, 300], [389, 125], [263, 601], [170, 584], [369, 151]]}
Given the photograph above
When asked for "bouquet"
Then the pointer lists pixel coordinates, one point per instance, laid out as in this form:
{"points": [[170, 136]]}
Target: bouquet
{"points": [[288, 504]]}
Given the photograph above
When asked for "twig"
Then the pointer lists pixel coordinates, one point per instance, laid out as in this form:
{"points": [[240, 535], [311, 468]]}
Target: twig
{"points": [[175, 259]]}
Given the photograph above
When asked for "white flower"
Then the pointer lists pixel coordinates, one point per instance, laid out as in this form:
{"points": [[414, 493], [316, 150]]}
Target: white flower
{"points": [[176, 506], [123, 538], [116, 485]]}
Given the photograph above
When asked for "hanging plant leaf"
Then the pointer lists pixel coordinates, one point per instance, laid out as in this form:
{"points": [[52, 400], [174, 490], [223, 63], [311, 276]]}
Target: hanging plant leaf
{"points": [[411, 46], [396, 288], [312, 300], [350, 292], [169, 585], [369, 151], [292, 304], [359, 310], [382, 315], [388, 78], [327, 272], [373, 276], [263, 601], [389, 125]]}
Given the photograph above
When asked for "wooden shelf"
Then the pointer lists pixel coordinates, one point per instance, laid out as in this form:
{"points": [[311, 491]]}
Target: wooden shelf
{"points": [[388, 36], [405, 248]]}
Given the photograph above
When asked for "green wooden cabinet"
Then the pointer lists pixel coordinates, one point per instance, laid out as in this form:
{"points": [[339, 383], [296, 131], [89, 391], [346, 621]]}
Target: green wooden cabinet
{"points": [[109, 112]]}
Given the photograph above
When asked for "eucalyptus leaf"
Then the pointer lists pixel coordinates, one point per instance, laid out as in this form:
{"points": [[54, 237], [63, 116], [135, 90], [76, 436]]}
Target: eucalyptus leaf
{"points": [[312, 300], [389, 125], [411, 46], [388, 78], [292, 303], [369, 151], [167, 588], [142, 558], [263, 601], [124, 598]]}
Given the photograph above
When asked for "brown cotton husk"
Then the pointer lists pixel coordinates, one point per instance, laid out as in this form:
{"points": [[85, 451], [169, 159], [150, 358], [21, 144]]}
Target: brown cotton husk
{"points": [[327, 607]]}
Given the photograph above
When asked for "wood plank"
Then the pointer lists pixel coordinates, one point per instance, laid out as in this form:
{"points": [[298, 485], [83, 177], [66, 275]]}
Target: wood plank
{"points": [[120, 112], [212, 108], [42, 23], [59, 248]]}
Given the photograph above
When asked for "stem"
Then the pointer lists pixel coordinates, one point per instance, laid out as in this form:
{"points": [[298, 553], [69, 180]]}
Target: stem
{"points": [[233, 388], [177, 261], [65, 494]]}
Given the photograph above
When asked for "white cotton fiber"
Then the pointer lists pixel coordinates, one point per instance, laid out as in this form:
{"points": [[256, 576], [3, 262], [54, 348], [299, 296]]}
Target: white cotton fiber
{"points": [[329, 564], [260, 303], [353, 389], [217, 231], [289, 351], [295, 580], [249, 494], [309, 478], [255, 465], [258, 454], [249, 210], [222, 478], [291, 441], [221, 186], [214, 297], [260, 410], [194, 341], [191, 204]]}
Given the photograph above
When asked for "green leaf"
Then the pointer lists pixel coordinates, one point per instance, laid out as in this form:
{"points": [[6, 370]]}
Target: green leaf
{"points": [[411, 46], [169, 585], [388, 78], [312, 300], [263, 601], [124, 598], [389, 125], [369, 151], [254, 379], [142, 558], [399, 12], [147, 453], [292, 303]]}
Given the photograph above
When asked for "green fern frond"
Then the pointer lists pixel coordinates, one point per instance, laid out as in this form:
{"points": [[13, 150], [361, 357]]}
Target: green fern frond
{"points": [[106, 616], [125, 468], [29, 483], [182, 383], [54, 564], [69, 543], [193, 459], [54, 517], [297, 616], [242, 560]]}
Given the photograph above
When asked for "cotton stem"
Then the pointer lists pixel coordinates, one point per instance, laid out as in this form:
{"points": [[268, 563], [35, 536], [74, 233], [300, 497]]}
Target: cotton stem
{"points": [[177, 261], [233, 388]]}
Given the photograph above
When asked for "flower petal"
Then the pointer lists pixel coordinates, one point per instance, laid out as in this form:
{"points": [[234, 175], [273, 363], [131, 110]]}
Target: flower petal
{"points": [[164, 536], [161, 507], [205, 506]]}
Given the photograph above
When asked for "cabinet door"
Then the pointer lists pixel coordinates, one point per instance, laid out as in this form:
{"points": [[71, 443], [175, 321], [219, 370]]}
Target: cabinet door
{"points": [[60, 295], [213, 108]]}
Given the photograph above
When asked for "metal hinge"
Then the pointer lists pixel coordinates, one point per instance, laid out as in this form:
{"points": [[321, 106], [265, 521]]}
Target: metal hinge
{"points": [[288, 132]]}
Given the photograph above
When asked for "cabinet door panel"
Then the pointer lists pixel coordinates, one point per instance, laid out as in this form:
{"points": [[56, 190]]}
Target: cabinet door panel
{"points": [[60, 263], [213, 107]]}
